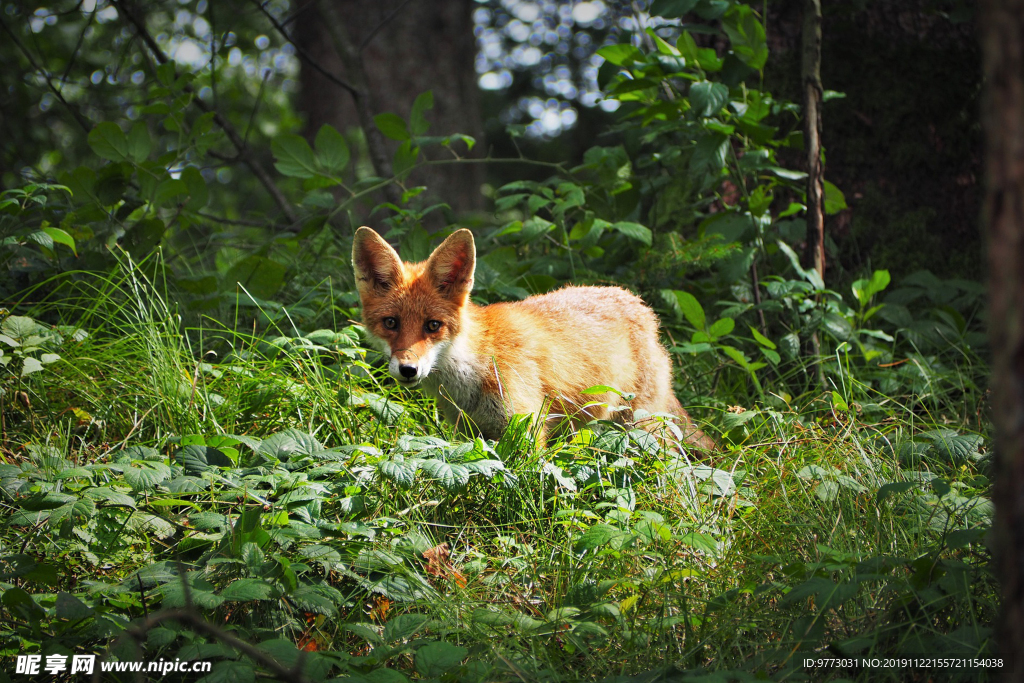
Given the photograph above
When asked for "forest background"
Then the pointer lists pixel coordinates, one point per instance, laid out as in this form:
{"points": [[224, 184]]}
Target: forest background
{"points": [[202, 461]]}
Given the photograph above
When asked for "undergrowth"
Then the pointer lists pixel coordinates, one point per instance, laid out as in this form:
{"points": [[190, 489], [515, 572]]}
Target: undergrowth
{"points": [[162, 499]]}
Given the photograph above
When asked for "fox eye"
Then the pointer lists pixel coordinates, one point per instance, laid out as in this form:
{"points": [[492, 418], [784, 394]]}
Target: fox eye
{"points": [[390, 323], [433, 325]]}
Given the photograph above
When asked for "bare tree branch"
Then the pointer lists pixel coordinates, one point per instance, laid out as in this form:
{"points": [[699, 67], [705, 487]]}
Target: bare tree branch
{"points": [[382, 24], [81, 120], [303, 54], [244, 153], [140, 630], [353, 61]]}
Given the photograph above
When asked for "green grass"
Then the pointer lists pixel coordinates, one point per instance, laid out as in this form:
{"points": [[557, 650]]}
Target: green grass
{"points": [[160, 478]]}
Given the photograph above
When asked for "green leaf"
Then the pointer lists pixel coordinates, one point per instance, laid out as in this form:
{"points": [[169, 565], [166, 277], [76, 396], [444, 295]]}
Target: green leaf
{"points": [[838, 401], [451, 476], [747, 36], [827, 491], [197, 459], [670, 9], [811, 275], [244, 590], [737, 356], [294, 156], [19, 602], [387, 409], [634, 231], [195, 184], [691, 309], [71, 608], [433, 660], [664, 48], [893, 489], [30, 365], [708, 98], [139, 143], [601, 389], [621, 54], [405, 158], [709, 154], [419, 125], [288, 444], [599, 535], [392, 125], [259, 275], [404, 626], [834, 199], [398, 470], [21, 327], [331, 149], [366, 632], [837, 326], [868, 288], [143, 475], [722, 327], [761, 339], [957, 449], [39, 237], [108, 141], [168, 190]]}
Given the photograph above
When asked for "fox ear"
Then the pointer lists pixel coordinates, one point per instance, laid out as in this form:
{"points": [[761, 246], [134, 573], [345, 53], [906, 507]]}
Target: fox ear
{"points": [[376, 264], [452, 265]]}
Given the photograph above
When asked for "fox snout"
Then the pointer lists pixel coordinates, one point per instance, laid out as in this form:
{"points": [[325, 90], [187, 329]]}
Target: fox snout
{"points": [[409, 367]]}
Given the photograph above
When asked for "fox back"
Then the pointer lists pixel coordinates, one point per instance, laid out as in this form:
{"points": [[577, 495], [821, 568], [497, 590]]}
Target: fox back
{"points": [[487, 363]]}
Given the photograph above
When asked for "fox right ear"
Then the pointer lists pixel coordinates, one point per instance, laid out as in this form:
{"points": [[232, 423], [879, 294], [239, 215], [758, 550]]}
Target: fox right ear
{"points": [[376, 264]]}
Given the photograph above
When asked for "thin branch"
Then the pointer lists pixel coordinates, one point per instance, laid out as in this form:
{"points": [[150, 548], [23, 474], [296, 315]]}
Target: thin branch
{"points": [[81, 120], [139, 632], [382, 24], [303, 55], [355, 70], [244, 153], [256, 105], [78, 46]]}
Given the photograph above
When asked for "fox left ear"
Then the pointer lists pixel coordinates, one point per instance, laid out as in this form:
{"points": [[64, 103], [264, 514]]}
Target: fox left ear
{"points": [[452, 265], [377, 266]]}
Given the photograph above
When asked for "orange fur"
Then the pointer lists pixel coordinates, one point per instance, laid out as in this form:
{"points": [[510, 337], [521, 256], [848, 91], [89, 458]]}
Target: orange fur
{"points": [[488, 363]]}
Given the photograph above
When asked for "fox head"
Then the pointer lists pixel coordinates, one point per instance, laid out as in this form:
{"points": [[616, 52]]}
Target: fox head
{"points": [[413, 309]]}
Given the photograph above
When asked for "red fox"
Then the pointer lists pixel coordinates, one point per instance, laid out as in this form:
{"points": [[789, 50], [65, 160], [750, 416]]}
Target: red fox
{"points": [[487, 363]]}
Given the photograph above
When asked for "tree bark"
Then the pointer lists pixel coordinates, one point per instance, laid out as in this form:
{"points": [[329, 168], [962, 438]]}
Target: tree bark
{"points": [[811, 77], [1002, 35], [404, 49]]}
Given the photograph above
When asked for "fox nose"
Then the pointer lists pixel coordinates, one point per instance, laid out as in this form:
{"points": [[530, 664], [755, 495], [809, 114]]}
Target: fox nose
{"points": [[407, 371]]}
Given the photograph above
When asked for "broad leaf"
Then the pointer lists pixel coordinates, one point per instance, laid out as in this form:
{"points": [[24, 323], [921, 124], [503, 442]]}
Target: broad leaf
{"points": [[331, 149], [392, 125], [294, 156]]}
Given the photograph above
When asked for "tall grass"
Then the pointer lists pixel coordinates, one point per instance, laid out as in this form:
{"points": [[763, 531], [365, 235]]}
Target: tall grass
{"points": [[275, 483]]}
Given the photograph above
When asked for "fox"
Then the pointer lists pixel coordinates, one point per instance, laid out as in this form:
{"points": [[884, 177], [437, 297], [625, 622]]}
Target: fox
{"points": [[485, 364]]}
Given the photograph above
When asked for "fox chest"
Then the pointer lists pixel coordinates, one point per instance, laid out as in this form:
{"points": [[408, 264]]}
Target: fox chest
{"points": [[463, 391]]}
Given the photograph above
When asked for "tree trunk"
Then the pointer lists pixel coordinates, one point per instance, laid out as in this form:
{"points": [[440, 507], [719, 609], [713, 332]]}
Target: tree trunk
{"points": [[811, 77], [1002, 35], [407, 48], [810, 73]]}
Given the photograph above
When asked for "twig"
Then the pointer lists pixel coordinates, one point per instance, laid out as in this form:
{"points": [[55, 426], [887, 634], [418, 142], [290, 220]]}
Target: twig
{"points": [[353, 61], [139, 631], [299, 50], [382, 24], [244, 154], [78, 45], [79, 119]]}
